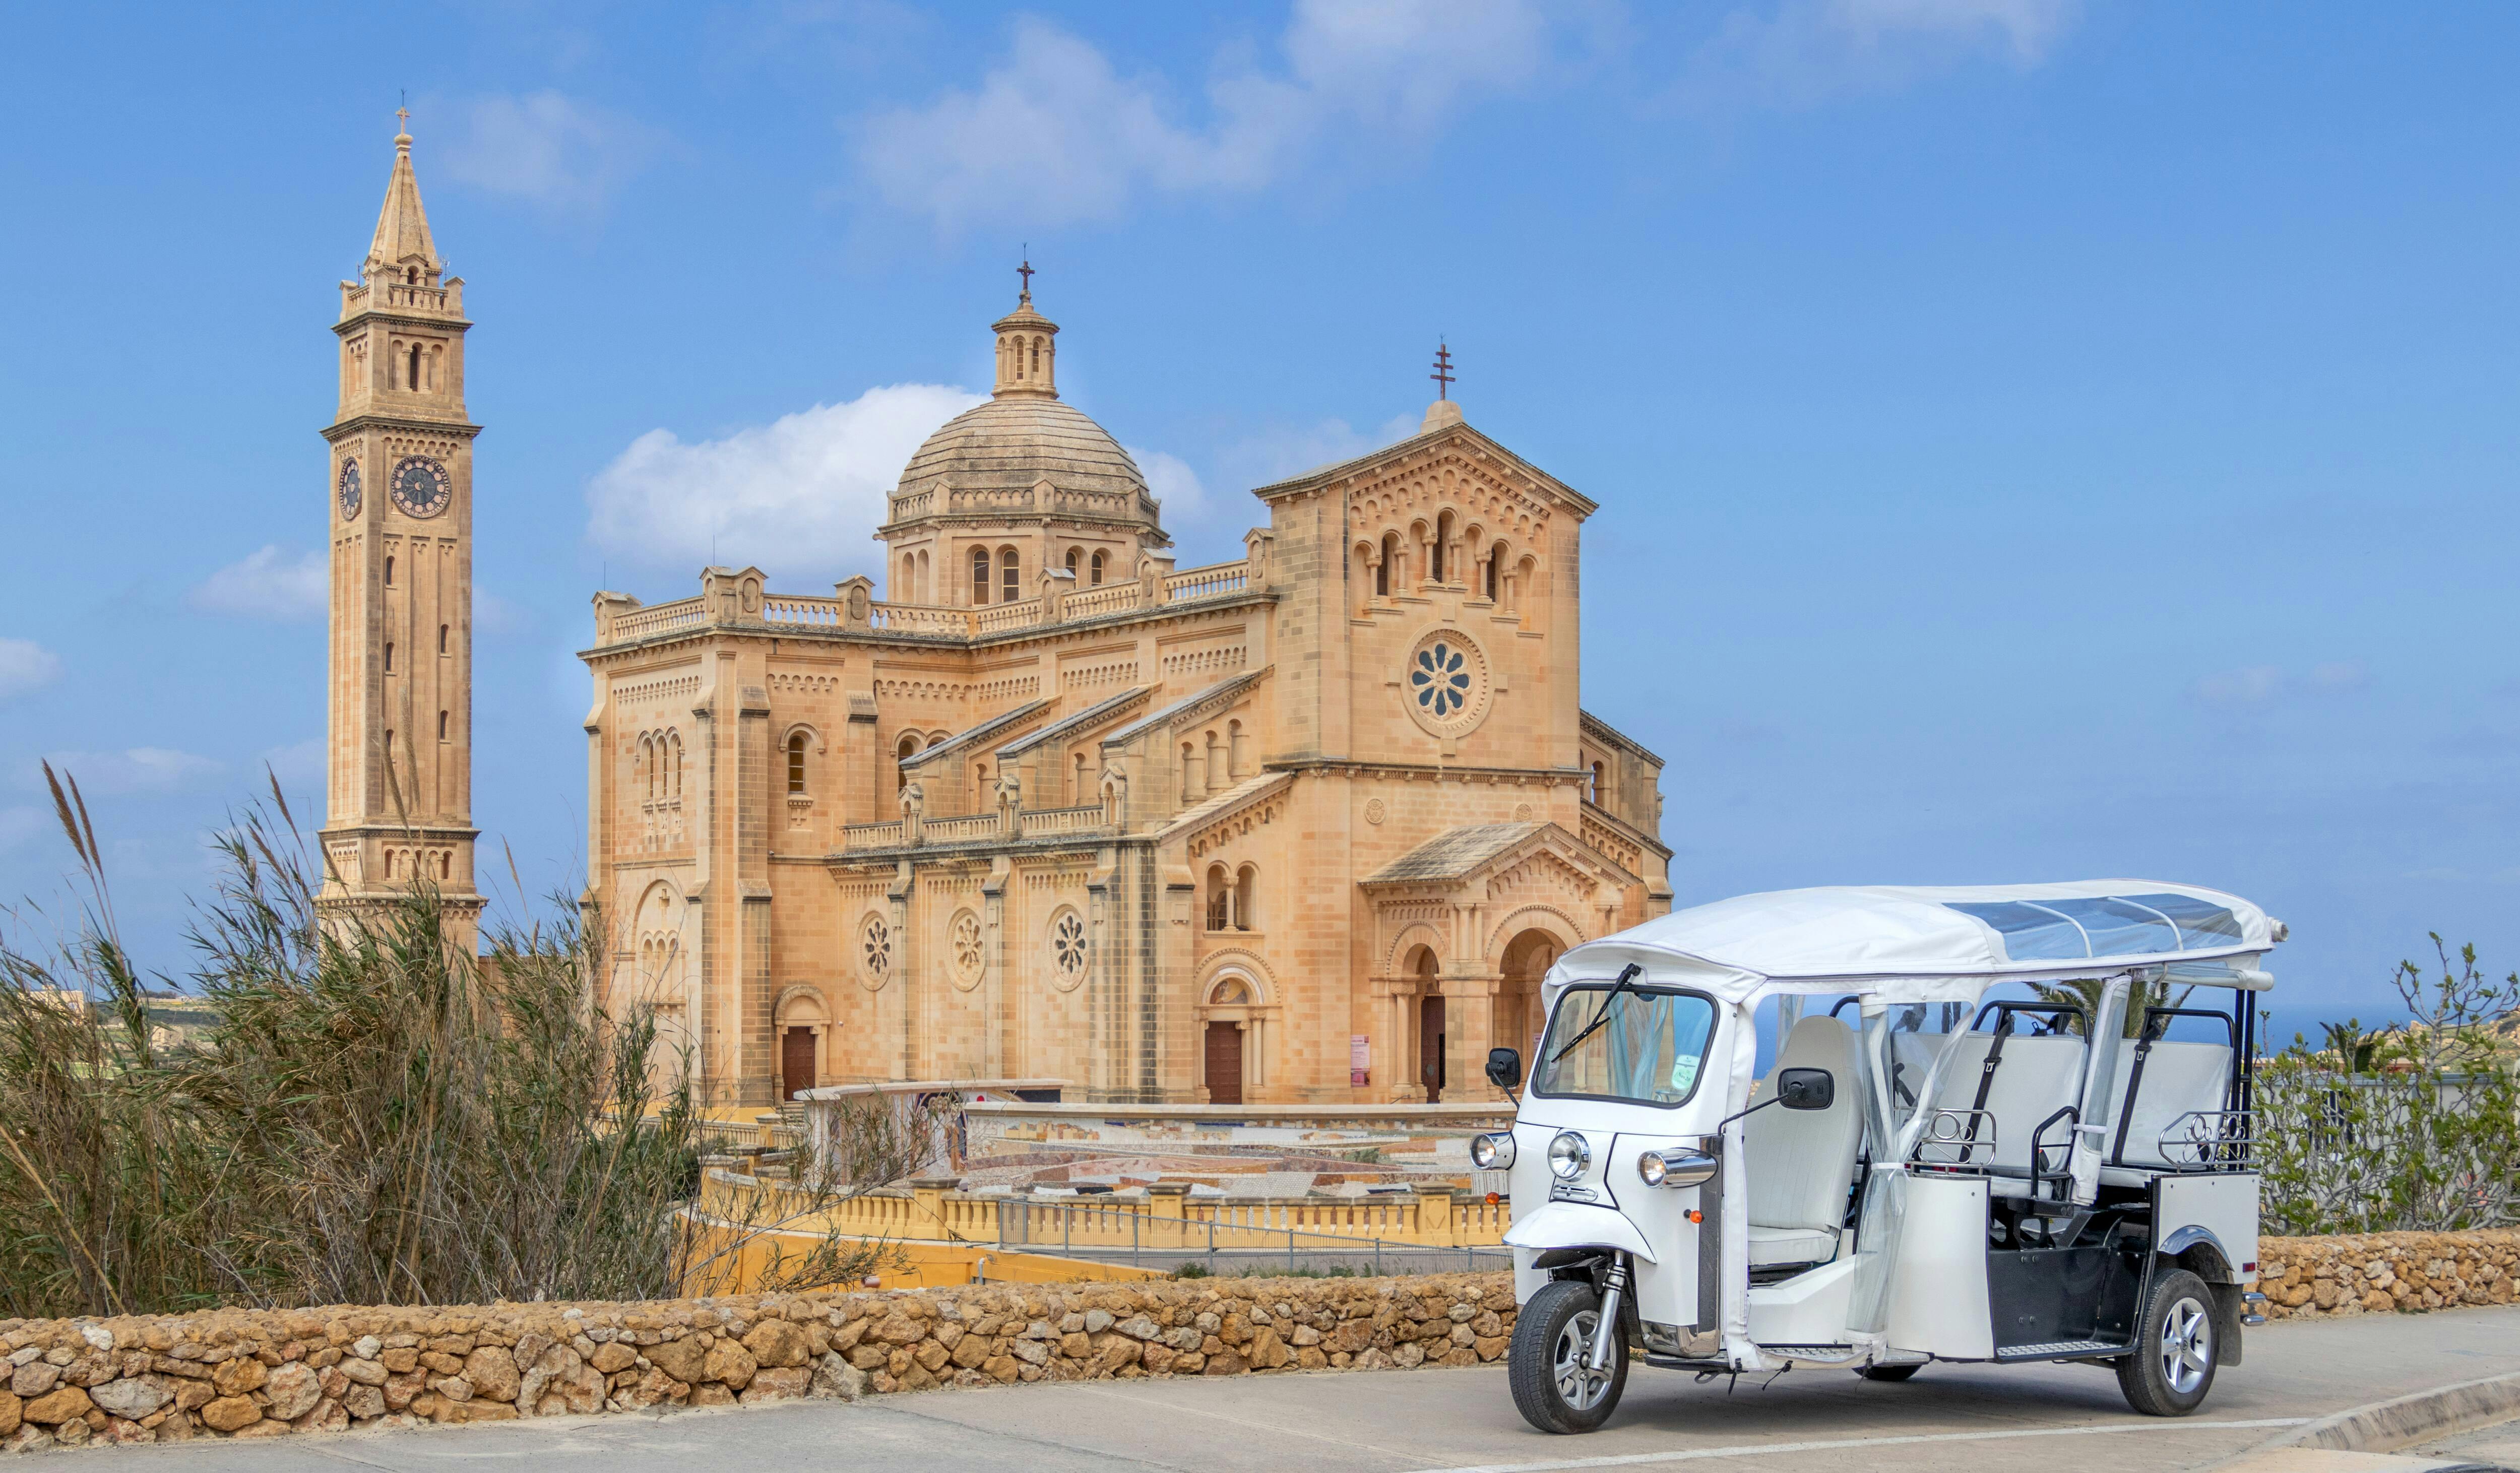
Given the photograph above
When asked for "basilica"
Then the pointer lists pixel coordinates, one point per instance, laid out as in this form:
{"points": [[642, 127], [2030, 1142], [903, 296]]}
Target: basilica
{"points": [[1303, 826]]}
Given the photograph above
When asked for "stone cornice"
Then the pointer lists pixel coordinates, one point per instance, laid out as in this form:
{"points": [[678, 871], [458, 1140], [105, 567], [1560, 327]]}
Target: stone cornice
{"points": [[879, 639], [1611, 734], [334, 431], [1520, 777]]}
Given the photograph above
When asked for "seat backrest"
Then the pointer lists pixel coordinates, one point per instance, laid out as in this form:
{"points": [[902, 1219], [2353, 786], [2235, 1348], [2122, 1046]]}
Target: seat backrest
{"points": [[2177, 1078], [1802, 1162], [2034, 1079], [1912, 1058]]}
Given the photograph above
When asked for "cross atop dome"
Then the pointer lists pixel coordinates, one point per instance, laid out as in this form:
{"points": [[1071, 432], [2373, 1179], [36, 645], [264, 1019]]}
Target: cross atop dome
{"points": [[1027, 348]]}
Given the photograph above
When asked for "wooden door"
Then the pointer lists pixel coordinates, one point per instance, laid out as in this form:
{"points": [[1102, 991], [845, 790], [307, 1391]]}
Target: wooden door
{"points": [[1430, 1047], [1224, 1065], [795, 1061]]}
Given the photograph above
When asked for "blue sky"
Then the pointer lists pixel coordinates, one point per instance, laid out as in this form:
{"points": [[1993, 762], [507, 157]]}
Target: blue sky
{"points": [[2034, 440]]}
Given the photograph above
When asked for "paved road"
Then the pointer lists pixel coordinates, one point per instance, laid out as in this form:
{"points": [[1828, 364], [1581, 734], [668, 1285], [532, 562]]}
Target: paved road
{"points": [[2051, 1419]]}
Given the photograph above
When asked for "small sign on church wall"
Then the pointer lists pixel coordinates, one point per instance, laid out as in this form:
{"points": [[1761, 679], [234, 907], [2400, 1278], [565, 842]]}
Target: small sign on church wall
{"points": [[1360, 1059]]}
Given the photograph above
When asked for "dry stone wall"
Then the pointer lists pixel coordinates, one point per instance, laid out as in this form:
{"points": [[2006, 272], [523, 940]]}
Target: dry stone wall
{"points": [[254, 1373], [2382, 1273]]}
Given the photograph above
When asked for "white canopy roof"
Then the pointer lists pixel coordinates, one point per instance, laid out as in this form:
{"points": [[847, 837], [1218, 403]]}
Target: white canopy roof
{"points": [[1920, 942]]}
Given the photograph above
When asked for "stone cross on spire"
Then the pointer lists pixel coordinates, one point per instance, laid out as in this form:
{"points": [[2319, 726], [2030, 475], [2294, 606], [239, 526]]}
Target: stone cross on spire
{"points": [[1443, 375], [1025, 271], [1443, 411]]}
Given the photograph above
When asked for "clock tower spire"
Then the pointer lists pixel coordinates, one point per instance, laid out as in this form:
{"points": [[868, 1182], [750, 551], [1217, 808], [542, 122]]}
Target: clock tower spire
{"points": [[398, 797]]}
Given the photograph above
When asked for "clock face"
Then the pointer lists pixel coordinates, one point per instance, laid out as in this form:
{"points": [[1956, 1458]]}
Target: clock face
{"points": [[349, 489], [420, 486]]}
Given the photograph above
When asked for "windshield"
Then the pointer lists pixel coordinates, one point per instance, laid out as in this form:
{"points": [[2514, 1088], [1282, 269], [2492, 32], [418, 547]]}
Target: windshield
{"points": [[1650, 1050]]}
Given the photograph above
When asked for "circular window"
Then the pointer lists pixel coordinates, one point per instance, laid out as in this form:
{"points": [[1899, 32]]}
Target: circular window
{"points": [[966, 941], [874, 952], [1446, 682], [1067, 951]]}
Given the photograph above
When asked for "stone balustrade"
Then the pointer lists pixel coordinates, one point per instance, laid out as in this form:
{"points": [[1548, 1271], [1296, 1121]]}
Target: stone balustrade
{"points": [[795, 611]]}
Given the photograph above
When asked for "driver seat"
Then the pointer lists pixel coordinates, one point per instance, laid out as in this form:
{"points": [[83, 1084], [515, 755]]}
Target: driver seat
{"points": [[1801, 1163]]}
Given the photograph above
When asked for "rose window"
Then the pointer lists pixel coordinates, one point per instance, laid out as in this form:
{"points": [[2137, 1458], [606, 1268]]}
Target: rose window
{"points": [[874, 947], [1441, 678], [1067, 948], [966, 944]]}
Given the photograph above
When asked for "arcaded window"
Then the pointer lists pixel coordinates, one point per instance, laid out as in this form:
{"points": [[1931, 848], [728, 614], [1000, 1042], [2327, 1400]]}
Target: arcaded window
{"points": [[388, 572], [1383, 573], [1435, 553], [1219, 900], [415, 366], [796, 762], [1598, 786], [908, 749], [1097, 571], [674, 743], [1495, 560], [1246, 898], [979, 575], [1075, 555], [1007, 579]]}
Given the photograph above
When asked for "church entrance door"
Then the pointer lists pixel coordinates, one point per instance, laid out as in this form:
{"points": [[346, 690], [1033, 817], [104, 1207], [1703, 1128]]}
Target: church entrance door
{"points": [[795, 1061], [1224, 1065], [1430, 1047]]}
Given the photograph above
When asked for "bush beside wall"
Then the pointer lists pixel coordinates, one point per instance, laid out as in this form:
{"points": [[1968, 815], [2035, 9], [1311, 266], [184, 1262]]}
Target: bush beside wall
{"points": [[2380, 1272], [248, 1374]]}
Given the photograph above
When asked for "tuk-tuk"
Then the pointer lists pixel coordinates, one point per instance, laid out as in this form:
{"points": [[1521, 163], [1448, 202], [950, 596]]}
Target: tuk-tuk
{"points": [[2004, 1123]]}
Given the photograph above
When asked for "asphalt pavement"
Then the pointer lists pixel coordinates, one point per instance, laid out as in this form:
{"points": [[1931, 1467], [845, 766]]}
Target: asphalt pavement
{"points": [[2037, 1420]]}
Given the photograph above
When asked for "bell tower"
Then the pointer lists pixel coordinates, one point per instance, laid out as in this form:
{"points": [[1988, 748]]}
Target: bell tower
{"points": [[398, 796]]}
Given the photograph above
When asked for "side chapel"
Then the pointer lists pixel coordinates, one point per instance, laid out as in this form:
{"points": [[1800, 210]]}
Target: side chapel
{"points": [[1306, 825]]}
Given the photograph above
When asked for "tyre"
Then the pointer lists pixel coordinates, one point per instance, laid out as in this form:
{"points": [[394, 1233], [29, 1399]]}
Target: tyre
{"points": [[1890, 1373], [2175, 1351], [1545, 1365]]}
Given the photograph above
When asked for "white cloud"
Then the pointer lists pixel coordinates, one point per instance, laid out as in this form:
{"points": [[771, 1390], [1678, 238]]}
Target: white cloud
{"points": [[1802, 52], [267, 584], [1172, 482], [20, 824], [1053, 133], [301, 764], [796, 497], [550, 149], [25, 666], [139, 769]]}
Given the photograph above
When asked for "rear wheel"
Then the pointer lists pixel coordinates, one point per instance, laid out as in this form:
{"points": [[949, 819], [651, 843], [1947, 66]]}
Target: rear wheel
{"points": [[1890, 1373], [2175, 1351], [1552, 1388]]}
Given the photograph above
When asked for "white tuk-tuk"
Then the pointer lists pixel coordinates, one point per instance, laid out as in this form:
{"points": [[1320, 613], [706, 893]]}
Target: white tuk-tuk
{"points": [[2005, 1124]]}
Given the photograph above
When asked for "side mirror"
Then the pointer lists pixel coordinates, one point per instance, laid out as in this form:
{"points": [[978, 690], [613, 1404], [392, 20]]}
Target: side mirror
{"points": [[1504, 1069], [1806, 1089]]}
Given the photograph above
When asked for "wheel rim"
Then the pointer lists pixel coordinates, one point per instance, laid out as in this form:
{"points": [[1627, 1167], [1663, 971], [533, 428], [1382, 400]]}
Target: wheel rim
{"points": [[2186, 1346], [1579, 1388]]}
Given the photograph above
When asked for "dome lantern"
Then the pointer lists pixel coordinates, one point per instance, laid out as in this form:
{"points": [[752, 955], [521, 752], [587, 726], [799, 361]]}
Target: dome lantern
{"points": [[1027, 348]]}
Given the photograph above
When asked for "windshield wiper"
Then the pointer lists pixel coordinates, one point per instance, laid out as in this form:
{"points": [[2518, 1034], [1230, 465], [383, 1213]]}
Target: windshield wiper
{"points": [[1626, 978]]}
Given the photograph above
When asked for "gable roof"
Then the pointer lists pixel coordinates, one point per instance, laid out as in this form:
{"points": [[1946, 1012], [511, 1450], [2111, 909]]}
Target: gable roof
{"points": [[1454, 853], [1426, 439]]}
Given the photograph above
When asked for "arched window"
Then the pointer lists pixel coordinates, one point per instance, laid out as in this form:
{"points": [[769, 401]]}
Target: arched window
{"points": [[1234, 751], [674, 742], [1382, 574], [1246, 898], [1495, 557], [415, 366], [1077, 797], [1097, 571], [388, 746], [441, 726], [389, 572], [411, 276], [389, 862], [926, 594], [1073, 555], [651, 763], [1435, 553], [1219, 900], [446, 867], [1599, 788], [442, 639], [388, 657], [1190, 775], [979, 575], [796, 762], [908, 749], [1013, 584], [1036, 357]]}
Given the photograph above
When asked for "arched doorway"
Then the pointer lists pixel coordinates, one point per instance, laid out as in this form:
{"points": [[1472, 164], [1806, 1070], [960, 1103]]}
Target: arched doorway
{"points": [[1430, 1025], [1526, 960], [800, 1024]]}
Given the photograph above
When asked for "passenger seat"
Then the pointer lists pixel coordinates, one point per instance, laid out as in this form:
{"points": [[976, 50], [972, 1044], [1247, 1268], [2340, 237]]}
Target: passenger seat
{"points": [[1801, 1163]]}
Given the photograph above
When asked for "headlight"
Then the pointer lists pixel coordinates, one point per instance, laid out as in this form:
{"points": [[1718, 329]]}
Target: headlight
{"points": [[1676, 1168], [1568, 1155], [1491, 1153]]}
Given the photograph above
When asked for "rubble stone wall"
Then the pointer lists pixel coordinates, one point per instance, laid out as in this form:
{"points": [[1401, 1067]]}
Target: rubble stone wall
{"points": [[252, 1373], [2384, 1272]]}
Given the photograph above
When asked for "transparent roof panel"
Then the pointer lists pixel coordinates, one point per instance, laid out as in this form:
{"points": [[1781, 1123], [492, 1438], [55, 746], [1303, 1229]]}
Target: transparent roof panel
{"points": [[2031, 933], [2201, 922], [2117, 926]]}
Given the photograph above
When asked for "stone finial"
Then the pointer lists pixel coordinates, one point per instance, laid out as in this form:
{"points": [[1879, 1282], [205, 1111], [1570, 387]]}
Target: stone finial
{"points": [[1440, 415]]}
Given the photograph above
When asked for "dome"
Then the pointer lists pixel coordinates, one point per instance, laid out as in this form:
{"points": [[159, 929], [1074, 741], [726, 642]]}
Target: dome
{"points": [[1008, 444]]}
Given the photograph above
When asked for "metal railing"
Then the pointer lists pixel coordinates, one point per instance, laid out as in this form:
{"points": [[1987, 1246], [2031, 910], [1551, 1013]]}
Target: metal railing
{"points": [[1088, 1229]]}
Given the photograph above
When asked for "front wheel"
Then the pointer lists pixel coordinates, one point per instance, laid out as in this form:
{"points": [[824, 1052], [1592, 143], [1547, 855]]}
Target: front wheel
{"points": [[2174, 1349], [1551, 1387]]}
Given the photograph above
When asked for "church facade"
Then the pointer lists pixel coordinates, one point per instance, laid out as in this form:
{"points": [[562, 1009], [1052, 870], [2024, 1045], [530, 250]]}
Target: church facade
{"points": [[1306, 825]]}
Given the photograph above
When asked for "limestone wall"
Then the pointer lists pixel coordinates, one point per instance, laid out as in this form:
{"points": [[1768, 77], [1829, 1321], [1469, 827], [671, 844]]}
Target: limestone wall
{"points": [[267, 1373], [2376, 1273]]}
